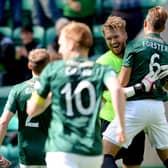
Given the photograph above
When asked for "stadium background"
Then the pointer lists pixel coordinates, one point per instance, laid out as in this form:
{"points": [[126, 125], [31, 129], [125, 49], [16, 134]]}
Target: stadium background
{"points": [[151, 159]]}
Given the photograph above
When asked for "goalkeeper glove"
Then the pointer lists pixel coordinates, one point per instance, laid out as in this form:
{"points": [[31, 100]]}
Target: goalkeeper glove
{"points": [[139, 88], [149, 80], [164, 72]]}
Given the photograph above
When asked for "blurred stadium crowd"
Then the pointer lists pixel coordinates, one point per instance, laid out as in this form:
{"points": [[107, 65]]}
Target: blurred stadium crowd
{"points": [[29, 24]]}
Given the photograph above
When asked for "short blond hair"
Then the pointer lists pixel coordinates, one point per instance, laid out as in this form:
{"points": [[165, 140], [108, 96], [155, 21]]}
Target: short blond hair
{"points": [[157, 17], [114, 23], [80, 33], [38, 58]]}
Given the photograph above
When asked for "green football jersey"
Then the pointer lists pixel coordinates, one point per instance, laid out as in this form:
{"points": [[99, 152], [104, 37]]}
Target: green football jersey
{"points": [[76, 87], [109, 58], [32, 132], [144, 55]]}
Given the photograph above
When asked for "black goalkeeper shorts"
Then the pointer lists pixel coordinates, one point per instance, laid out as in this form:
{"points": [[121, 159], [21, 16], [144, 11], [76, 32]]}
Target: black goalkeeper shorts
{"points": [[133, 155]]}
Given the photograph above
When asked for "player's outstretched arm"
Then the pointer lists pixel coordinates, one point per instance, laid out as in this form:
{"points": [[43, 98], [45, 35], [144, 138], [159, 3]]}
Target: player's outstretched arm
{"points": [[4, 121]]}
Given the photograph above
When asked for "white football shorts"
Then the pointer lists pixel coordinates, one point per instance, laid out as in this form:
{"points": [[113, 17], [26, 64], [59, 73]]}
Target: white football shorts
{"points": [[69, 160], [148, 115]]}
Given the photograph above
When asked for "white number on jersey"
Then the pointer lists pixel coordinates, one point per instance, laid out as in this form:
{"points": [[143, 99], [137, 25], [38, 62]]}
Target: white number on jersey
{"points": [[67, 90], [154, 66]]}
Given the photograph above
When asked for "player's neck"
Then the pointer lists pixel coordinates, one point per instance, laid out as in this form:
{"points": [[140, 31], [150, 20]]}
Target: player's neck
{"points": [[34, 74], [76, 54], [149, 31]]}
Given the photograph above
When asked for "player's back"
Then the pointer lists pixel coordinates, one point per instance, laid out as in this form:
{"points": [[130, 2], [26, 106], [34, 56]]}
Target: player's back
{"points": [[76, 88], [32, 132], [146, 55]]}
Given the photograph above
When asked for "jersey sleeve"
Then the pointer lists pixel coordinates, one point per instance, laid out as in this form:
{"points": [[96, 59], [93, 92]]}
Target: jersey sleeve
{"points": [[11, 103], [128, 56], [44, 81]]}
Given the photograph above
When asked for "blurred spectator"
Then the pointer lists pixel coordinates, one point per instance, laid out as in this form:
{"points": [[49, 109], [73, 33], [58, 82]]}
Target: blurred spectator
{"points": [[7, 61], [133, 11], [80, 10], [28, 43], [44, 12], [53, 46], [16, 12]]}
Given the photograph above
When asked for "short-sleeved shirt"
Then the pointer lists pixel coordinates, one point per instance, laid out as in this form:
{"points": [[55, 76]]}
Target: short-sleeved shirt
{"points": [[32, 132], [76, 86], [110, 59], [144, 55]]}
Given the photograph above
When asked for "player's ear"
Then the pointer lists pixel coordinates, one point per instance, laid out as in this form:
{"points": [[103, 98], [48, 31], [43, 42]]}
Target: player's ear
{"points": [[145, 23], [29, 65], [72, 45]]}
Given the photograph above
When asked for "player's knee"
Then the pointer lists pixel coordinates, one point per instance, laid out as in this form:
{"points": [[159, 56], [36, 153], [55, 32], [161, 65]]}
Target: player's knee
{"points": [[110, 148]]}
